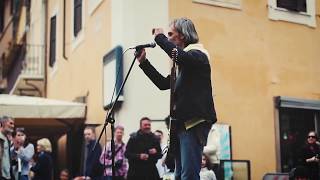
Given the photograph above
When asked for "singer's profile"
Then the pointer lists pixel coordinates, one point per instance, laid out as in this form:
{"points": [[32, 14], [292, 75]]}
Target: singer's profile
{"points": [[193, 106]]}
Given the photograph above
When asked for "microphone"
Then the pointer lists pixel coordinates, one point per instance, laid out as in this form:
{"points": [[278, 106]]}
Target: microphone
{"points": [[139, 47]]}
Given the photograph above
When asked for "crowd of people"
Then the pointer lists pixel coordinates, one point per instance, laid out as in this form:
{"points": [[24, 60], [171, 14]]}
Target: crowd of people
{"points": [[140, 158], [18, 158]]}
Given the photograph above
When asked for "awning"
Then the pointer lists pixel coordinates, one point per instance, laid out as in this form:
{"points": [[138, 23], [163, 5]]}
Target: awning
{"points": [[36, 107], [289, 102]]}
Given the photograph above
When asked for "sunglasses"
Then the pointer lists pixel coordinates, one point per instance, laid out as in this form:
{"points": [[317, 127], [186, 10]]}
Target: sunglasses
{"points": [[312, 137]]}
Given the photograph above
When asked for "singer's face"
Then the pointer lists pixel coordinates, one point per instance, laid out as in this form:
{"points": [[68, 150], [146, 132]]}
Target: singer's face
{"points": [[175, 37]]}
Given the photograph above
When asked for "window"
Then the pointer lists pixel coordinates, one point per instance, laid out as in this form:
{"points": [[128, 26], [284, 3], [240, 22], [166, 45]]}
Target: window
{"points": [[294, 127], [77, 29], [52, 52], [2, 15], [293, 5], [77, 20], [234, 4], [112, 77], [296, 11], [296, 118]]}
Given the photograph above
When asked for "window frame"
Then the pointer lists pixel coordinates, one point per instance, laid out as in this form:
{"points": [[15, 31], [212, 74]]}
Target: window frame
{"points": [[281, 14], [295, 103], [221, 3]]}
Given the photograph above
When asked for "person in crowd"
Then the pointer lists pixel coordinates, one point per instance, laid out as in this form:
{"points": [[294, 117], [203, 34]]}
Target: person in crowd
{"points": [[310, 156], [193, 106], [21, 153], [92, 166], [143, 151], [6, 130], [161, 166], [298, 173], [64, 174], [43, 169], [121, 164], [82, 178], [212, 149], [206, 173]]}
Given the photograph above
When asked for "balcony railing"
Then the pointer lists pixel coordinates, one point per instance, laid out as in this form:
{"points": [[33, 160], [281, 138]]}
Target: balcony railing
{"points": [[33, 64]]}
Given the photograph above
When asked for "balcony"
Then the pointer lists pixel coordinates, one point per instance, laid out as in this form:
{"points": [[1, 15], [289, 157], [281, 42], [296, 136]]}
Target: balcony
{"points": [[31, 80], [12, 45], [22, 53]]}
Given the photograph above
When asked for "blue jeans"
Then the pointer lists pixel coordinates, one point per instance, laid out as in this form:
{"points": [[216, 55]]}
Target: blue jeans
{"points": [[188, 161], [24, 177], [107, 178]]}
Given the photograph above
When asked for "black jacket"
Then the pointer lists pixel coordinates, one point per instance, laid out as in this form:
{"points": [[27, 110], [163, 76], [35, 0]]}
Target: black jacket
{"points": [[142, 169], [193, 91], [43, 168], [309, 151], [93, 167]]}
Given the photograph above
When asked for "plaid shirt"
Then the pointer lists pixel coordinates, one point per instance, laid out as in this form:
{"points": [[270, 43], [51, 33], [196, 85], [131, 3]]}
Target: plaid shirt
{"points": [[105, 159]]}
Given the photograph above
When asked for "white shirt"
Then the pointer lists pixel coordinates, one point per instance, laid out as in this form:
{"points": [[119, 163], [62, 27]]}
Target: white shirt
{"points": [[162, 168], [206, 174]]}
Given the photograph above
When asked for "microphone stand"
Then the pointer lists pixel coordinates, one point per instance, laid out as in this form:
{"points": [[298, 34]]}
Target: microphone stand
{"points": [[110, 119]]}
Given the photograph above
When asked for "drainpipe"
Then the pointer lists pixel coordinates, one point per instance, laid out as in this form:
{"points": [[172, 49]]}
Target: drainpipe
{"points": [[64, 30], [45, 49]]}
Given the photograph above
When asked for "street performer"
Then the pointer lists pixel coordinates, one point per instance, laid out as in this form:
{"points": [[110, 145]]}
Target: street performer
{"points": [[193, 106]]}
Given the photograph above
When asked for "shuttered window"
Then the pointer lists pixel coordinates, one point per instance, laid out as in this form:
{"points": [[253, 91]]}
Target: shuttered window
{"points": [[1, 15], [77, 17], [53, 30]]}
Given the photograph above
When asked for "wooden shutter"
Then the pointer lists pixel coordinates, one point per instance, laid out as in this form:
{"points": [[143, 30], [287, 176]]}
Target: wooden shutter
{"points": [[77, 16], [2, 15], [53, 29]]}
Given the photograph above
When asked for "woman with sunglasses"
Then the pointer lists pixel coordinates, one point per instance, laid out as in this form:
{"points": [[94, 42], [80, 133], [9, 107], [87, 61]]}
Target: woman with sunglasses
{"points": [[310, 156]]}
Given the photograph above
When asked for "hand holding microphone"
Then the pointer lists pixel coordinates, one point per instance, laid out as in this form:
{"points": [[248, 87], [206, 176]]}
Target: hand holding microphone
{"points": [[140, 51], [140, 55]]}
